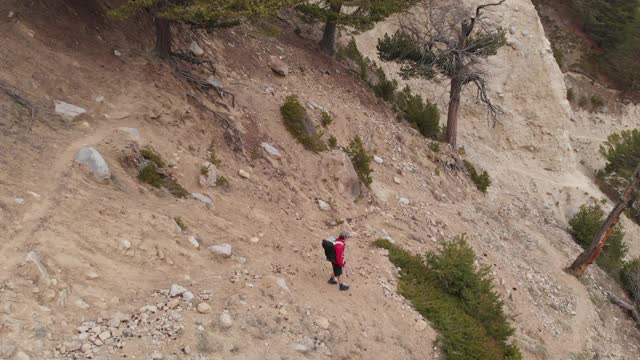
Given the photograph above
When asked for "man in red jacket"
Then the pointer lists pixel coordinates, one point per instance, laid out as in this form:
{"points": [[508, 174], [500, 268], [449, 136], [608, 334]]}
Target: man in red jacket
{"points": [[339, 263]]}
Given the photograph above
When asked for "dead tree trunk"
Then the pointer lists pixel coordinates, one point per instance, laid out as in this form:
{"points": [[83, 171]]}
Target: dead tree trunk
{"points": [[163, 38], [328, 42], [588, 256], [629, 308], [452, 115]]}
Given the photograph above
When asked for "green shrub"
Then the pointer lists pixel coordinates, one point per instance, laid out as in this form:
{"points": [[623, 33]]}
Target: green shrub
{"points": [[361, 160], [296, 121], [152, 174], [583, 102], [584, 226], [385, 88], [458, 299], [435, 147], [333, 142], [180, 223], [423, 116], [325, 119], [630, 276], [597, 102], [621, 152], [571, 96], [352, 52], [481, 180], [149, 154], [222, 181]]}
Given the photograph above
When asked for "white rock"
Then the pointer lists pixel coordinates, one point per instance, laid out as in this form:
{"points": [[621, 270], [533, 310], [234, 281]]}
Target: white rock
{"points": [[33, 257], [278, 66], [254, 240], [396, 180], [322, 322], [19, 201], [81, 304], [244, 174], [514, 44], [188, 296], [421, 325], [194, 242], [202, 197], [204, 308], [11, 14], [98, 99], [35, 195], [272, 150], [105, 335], [117, 53], [299, 348], [176, 290], [156, 355], [196, 49], [323, 205], [226, 320], [125, 244], [22, 356], [221, 249], [282, 283], [378, 159], [91, 159], [67, 111], [92, 275], [404, 201]]}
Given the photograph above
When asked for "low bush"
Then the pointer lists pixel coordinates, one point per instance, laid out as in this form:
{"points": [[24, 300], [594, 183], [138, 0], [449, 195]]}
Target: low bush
{"points": [[180, 223], [298, 124], [352, 53], [630, 276], [457, 298], [153, 173], [571, 96], [222, 181], [385, 88], [482, 180], [597, 102], [435, 147], [424, 116], [332, 142], [583, 227], [361, 160], [325, 119]]}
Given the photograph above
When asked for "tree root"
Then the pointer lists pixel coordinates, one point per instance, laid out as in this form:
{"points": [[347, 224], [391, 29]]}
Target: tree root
{"points": [[204, 85], [232, 135], [22, 101]]}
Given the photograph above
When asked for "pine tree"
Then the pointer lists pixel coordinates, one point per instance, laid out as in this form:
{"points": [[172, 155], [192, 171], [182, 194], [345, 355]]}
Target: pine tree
{"points": [[360, 14], [448, 42], [210, 14]]}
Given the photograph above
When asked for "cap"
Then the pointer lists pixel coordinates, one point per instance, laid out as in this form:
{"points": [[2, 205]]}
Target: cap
{"points": [[345, 234]]}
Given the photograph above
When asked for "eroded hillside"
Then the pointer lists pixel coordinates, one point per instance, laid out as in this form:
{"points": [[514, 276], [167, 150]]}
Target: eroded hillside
{"points": [[112, 250]]}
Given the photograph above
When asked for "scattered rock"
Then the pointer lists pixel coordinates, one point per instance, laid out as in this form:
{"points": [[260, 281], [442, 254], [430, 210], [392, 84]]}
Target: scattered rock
{"points": [[221, 249], [514, 44], [19, 201], [196, 49], [299, 348], [282, 283], [188, 296], [420, 325], [99, 99], [202, 197], [7, 350], [211, 177], [94, 162], [81, 304], [11, 14], [68, 111], [194, 242], [378, 159], [33, 257], [117, 53], [92, 275], [278, 66], [254, 240], [35, 195], [322, 322], [204, 308], [323, 205], [271, 149], [244, 174], [404, 201], [396, 180], [125, 244], [226, 321], [215, 82], [173, 303], [156, 355], [176, 290]]}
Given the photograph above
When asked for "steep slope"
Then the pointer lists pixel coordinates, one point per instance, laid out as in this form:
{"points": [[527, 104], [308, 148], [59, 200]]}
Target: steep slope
{"points": [[112, 250]]}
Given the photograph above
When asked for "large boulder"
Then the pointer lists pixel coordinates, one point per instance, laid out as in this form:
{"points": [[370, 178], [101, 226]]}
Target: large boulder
{"points": [[340, 168], [91, 159], [278, 66], [67, 111]]}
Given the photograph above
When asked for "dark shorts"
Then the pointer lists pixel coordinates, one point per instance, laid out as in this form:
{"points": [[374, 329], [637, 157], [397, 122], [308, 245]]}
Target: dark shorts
{"points": [[337, 269]]}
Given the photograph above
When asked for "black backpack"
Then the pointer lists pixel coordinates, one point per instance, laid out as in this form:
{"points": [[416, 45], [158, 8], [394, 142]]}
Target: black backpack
{"points": [[329, 250]]}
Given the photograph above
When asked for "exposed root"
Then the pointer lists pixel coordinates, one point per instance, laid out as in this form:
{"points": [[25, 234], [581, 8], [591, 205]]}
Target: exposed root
{"points": [[232, 135], [22, 101]]}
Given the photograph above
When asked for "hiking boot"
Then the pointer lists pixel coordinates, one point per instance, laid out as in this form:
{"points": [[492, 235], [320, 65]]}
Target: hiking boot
{"points": [[344, 287], [332, 281]]}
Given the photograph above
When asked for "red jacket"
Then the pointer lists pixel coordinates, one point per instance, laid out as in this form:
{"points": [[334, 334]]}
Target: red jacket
{"points": [[339, 247]]}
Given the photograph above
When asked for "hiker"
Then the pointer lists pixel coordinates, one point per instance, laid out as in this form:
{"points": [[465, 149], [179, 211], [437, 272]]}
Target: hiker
{"points": [[335, 253]]}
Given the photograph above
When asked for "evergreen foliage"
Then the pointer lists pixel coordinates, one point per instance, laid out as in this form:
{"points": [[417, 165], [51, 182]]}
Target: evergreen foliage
{"points": [[299, 125], [584, 226], [424, 116], [458, 299], [361, 160], [359, 14], [482, 180]]}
